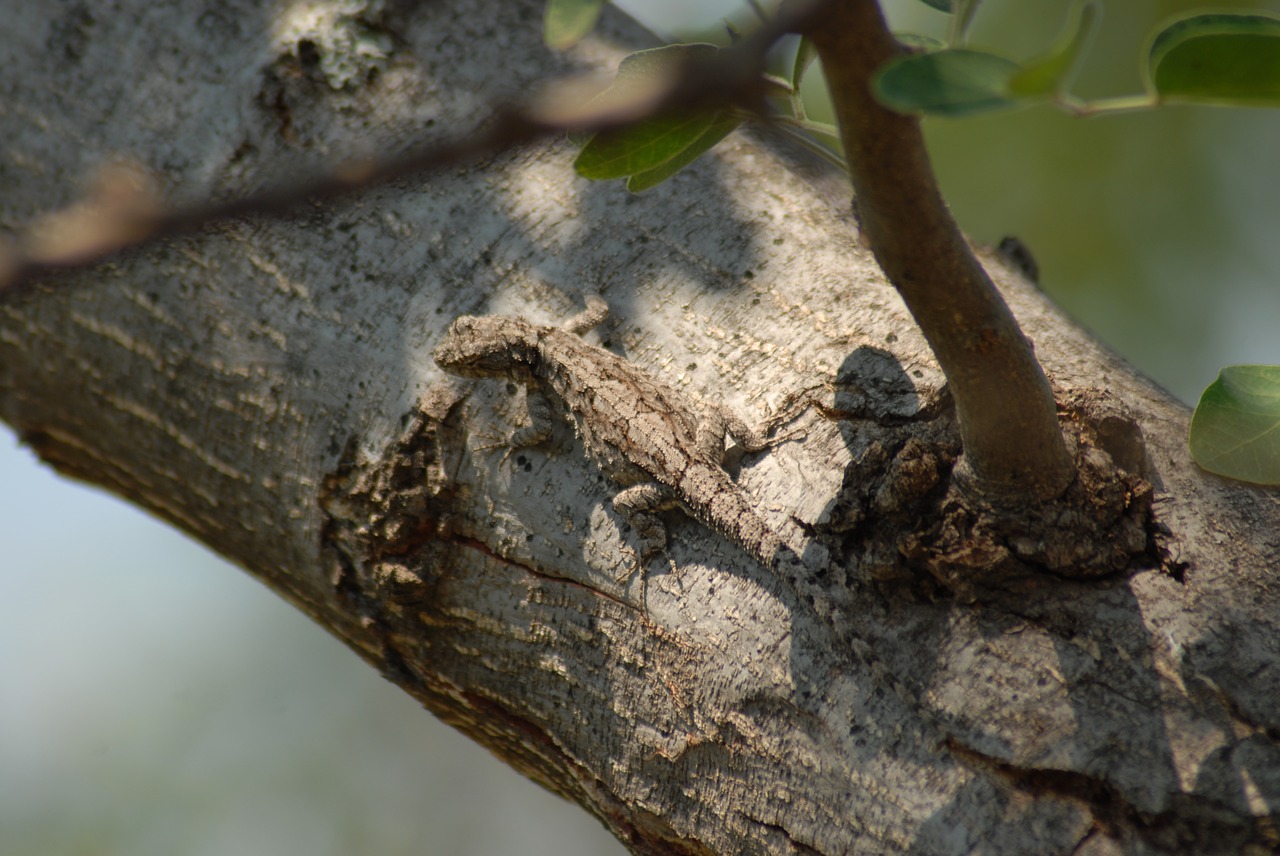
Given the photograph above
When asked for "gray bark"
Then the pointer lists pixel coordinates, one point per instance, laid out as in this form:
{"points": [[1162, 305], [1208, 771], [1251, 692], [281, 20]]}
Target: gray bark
{"points": [[266, 386]]}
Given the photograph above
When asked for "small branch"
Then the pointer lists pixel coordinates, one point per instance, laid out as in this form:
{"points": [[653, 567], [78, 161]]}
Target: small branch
{"points": [[1117, 104], [1013, 446], [807, 142], [812, 127]]}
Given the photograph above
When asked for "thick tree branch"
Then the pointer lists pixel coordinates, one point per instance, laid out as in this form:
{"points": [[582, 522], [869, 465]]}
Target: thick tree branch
{"points": [[1013, 445]]}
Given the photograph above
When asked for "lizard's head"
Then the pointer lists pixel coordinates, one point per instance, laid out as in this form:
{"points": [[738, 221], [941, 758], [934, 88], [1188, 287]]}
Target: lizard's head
{"points": [[483, 346]]}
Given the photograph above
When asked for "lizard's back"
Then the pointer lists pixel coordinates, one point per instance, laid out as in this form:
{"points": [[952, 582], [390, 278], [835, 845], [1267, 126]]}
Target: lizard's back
{"points": [[634, 427]]}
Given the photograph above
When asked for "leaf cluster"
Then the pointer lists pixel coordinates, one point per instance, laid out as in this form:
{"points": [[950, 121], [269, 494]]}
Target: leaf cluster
{"points": [[1208, 59]]}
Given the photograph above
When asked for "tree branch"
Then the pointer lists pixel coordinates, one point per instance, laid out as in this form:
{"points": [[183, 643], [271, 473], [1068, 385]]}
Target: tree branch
{"points": [[1013, 445]]}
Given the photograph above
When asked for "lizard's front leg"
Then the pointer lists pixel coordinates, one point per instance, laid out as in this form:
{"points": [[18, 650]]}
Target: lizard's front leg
{"points": [[639, 504], [538, 410], [719, 421]]}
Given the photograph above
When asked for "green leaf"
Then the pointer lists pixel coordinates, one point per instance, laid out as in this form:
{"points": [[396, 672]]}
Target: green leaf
{"points": [[720, 128], [566, 21], [1229, 60], [643, 65], [1235, 431], [940, 5], [647, 72], [946, 83], [641, 147], [1051, 73], [653, 149]]}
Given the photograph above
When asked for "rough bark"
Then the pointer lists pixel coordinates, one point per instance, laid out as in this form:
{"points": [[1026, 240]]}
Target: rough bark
{"points": [[266, 386]]}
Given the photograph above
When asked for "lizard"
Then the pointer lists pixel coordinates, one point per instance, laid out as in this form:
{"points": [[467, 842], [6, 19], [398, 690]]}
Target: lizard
{"points": [[646, 436]]}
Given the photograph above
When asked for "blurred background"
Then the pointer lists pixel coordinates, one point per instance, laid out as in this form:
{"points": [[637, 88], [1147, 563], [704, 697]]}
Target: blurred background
{"points": [[154, 700]]}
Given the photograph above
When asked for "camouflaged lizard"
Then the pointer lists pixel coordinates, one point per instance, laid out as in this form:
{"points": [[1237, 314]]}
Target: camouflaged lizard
{"points": [[662, 448]]}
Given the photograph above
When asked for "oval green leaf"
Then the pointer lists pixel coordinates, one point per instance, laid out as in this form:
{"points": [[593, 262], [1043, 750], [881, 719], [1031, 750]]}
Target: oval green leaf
{"points": [[640, 147], [946, 83], [644, 74], [1235, 431], [720, 128], [658, 61], [1231, 60], [653, 149], [564, 22]]}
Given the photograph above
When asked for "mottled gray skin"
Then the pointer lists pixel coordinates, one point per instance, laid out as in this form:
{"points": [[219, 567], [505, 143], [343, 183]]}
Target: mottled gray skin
{"points": [[642, 433]]}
